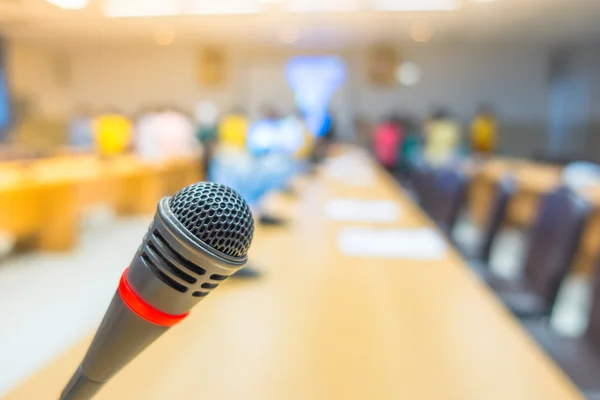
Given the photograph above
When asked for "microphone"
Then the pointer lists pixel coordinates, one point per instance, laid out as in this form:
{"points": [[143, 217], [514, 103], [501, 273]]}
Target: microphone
{"points": [[198, 238]]}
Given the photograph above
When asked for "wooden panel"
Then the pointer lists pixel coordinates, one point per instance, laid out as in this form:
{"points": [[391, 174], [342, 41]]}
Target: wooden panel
{"points": [[41, 201]]}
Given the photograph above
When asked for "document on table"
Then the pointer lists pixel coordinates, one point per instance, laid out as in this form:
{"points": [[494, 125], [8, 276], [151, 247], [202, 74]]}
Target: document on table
{"points": [[353, 169], [413, 244], [357, 210]]}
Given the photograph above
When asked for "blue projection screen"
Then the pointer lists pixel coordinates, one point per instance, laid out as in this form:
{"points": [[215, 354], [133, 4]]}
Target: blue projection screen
{"points": [[5, 119], [314, 79]]}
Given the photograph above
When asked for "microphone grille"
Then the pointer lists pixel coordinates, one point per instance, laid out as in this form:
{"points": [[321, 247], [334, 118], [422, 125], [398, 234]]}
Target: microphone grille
{"points": [[217, 215]]}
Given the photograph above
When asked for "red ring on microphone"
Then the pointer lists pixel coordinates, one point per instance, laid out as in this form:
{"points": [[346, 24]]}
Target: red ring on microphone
{"points": [[143, 309]]}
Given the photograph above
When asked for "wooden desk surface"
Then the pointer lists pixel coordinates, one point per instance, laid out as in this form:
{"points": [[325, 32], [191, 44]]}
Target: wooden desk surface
{"points": [[322, 325], [71, 184]]}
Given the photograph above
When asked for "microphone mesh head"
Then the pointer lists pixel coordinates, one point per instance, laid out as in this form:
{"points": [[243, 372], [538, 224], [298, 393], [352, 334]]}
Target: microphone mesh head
{"points": [[216, 215]]}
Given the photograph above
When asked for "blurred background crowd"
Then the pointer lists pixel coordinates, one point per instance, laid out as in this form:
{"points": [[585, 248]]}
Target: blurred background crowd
{"points": [[256, 155]]}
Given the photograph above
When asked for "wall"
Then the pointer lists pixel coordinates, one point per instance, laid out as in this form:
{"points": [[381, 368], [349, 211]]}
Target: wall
{"points": [[588, 58], [511, 77], [30, 71]]}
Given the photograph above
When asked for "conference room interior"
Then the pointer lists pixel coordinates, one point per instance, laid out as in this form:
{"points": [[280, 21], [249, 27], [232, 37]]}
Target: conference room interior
{"points": [[424, 179]]}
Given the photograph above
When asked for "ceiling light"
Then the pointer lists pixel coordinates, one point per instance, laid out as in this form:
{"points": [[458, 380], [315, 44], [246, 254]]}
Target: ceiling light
{"points": [[215, 7], [416, 5], [323, 5], [408, 74], [141, 8], [421, 31], [69, 4]]}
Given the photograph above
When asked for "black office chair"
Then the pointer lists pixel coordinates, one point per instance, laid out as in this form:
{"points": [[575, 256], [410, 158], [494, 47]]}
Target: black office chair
{"points": [[422, 180], [552, 244], [480, 259], [448, 197], [578, 357]]}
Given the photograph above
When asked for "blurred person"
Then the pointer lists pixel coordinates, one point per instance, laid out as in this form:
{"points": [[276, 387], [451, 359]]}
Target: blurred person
{"points": [[288, 136], [265, 163], [263, 133], [231, 163], [292, 136], [232, 129], [206, 114], [113, 133], [165, 134], [411, 148], [321, 144], [146, 135], [80, 130], [289, 154], [483, 131], [387, 140], [176, 134], [271, 142], [304, 151], [442, 139]]}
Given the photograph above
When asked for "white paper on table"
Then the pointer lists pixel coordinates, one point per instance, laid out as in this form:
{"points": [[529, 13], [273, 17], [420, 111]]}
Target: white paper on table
{"points": [[353, 169], [357, 210], [414, 244]]}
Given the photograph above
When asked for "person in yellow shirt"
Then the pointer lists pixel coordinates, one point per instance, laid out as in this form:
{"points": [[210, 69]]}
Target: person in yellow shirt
{"points": [[231, 161], [483, 131], [233, 129], [113, 134], [442, 139], [304, 152]]}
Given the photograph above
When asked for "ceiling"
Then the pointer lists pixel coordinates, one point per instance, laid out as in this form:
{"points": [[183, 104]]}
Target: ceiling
{"points": [[551, 21]]}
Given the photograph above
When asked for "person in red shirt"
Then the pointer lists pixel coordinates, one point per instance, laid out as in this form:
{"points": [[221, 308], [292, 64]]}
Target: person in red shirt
{"points": [[387, 141]]}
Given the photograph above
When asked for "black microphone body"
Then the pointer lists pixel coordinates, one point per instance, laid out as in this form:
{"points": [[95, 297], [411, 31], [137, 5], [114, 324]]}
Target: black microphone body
{"points": [[198, 239]]}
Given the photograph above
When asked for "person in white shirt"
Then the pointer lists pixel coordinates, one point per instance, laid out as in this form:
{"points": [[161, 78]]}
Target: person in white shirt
{"points": [[165, 134]]}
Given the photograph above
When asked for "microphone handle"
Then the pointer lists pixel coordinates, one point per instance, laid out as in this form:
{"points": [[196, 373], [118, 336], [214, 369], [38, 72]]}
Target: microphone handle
{"points": [[80, 387], [122, 335]]}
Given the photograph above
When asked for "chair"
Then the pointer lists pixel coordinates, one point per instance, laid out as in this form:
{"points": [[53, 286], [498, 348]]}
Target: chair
{"points": [[552, 244], [504, 191], [578, 357], [422, 180], [449, 194]]}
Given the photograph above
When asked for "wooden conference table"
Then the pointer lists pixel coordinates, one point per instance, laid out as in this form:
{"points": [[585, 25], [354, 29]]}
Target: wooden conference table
{"points": [[323, 325], [44, 199]]}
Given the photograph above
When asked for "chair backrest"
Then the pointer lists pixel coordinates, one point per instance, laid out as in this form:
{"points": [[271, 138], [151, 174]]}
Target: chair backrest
{"points": [[553, 241], [422, 179], [592, 334], [449, 194], [504, 191]]}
